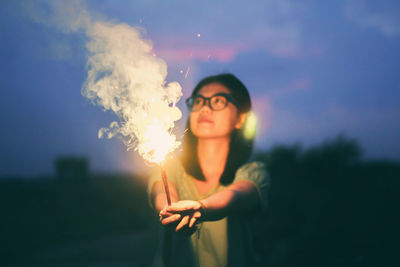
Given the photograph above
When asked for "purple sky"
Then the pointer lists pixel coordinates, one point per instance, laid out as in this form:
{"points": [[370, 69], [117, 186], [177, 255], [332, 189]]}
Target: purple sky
{"points": [[314, 70]]}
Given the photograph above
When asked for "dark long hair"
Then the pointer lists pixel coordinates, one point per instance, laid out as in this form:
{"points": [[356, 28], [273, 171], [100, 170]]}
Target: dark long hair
{"points": [[240, 147]]}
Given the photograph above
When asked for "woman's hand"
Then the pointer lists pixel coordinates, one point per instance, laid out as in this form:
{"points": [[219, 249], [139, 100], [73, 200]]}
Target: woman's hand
{"points": [[167, 218], [183, 213]]}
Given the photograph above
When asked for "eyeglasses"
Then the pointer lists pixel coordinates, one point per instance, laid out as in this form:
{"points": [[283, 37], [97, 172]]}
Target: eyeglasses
{"points": [[216, 102]]}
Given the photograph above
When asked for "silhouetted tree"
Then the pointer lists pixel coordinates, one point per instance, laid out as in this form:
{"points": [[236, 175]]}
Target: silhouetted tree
{"points": [[328, 207]]}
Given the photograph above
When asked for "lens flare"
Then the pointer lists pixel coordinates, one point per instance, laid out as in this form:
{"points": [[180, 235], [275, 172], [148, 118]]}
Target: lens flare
{"points": [[250, 126]]}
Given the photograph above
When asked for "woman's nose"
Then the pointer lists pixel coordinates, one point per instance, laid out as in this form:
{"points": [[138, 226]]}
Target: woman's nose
{"points": [[206, 107]]}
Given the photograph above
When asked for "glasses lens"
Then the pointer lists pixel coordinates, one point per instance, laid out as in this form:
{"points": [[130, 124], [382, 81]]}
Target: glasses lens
{"points": [[218, 102], [197, 103]]}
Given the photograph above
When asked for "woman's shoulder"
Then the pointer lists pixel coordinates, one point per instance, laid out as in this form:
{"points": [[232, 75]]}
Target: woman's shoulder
{"points": [[254, 171], [252, 166]]}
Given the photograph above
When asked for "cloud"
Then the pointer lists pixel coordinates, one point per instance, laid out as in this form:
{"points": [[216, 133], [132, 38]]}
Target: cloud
{"points": [[262, 107], [230, 27], [368, 125], [69, 16], [294, 86], [270, 26], [383, 16], [282, 43], [60, 50], [222, 53]]}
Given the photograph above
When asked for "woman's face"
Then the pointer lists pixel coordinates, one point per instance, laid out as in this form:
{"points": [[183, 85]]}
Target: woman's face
{"points": [[207, 123]]}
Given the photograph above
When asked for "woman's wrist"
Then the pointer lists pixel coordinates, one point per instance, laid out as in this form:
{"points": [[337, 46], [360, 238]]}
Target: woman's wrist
{"points": [[203, 210]]}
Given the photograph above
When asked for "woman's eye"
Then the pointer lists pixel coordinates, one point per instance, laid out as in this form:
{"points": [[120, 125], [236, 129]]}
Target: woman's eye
{"points": [[219, 100], [197, 101]]}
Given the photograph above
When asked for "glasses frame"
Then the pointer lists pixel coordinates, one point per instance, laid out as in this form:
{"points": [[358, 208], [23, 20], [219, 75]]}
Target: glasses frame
{"points": [[228, 97]]}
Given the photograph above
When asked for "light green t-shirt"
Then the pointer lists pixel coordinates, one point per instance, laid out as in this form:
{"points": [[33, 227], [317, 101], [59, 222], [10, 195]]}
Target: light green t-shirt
{"points": [[226, 242]]}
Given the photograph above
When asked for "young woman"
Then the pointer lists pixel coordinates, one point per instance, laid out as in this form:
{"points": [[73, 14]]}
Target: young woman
{"points": [[214, 190]]}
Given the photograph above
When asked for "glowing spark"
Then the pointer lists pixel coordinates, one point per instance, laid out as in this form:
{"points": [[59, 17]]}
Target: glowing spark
{"points": [[181, 71], [198, 35], [187, 72]]}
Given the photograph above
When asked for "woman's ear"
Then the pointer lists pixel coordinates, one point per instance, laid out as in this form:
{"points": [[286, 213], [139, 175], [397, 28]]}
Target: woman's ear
{"points": [[241, 120]]}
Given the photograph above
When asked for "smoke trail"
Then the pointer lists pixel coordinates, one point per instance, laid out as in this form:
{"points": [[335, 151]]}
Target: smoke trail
{"points": [[123, 76], [126, 78]]}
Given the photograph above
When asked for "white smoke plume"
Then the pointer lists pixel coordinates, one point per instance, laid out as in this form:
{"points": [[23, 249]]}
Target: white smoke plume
{"points": [[124, 76]]}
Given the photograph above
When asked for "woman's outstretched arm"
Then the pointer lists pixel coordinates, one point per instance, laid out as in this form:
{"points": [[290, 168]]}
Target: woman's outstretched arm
{"points": [[240, 197]]}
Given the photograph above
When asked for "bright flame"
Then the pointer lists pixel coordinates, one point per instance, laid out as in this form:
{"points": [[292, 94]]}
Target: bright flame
{"points": [[157, 143]]}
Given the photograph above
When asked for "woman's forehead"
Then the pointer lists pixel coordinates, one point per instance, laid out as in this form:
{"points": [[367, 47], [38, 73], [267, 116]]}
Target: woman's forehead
{"points": [[212, 89]]}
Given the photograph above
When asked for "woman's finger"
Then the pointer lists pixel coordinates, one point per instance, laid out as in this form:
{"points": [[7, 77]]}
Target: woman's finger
{"points": [[192, 221], [182, 223], [197, 214], [170, 219], [178, 208], [194, 218], [165, 214], [183, 205]]}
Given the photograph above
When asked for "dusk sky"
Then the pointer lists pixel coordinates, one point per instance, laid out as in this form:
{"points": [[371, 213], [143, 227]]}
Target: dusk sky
{"points": [[314, 69]]}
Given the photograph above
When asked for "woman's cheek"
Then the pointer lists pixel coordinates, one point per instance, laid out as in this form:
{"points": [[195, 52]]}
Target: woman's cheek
{"points": [[193, 120]]}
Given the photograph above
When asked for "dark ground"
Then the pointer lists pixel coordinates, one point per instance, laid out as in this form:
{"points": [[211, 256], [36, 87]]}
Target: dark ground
{"points": [[327, 207], [92, 221]]}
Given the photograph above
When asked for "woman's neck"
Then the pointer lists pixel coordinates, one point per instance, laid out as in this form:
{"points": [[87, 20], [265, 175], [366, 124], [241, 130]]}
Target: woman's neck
{"points": [[212, 155]]}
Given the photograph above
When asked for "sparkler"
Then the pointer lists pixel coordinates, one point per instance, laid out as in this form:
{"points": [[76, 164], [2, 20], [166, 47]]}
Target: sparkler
{"points": [[157, 144], [165, 182], [126, 76]]}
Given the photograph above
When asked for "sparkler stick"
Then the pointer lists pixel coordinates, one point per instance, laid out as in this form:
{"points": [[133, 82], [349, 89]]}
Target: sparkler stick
{"points": [[165, 182]]}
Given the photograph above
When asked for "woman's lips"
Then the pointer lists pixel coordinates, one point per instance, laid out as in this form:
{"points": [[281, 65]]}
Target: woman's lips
{"points": [[204, 120]]}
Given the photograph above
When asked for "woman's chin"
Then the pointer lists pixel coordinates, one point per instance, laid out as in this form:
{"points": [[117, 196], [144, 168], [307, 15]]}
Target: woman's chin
{"points": [[211, 135]]}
